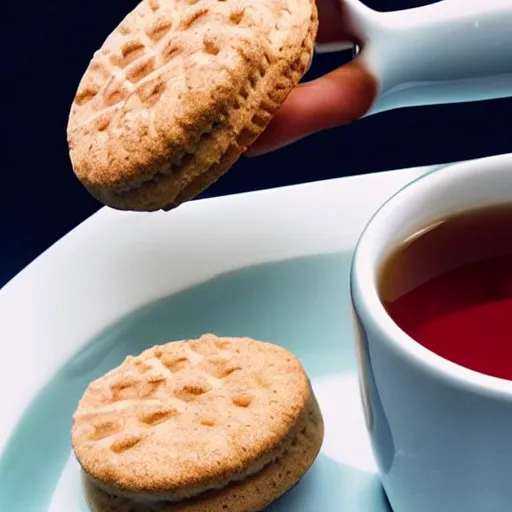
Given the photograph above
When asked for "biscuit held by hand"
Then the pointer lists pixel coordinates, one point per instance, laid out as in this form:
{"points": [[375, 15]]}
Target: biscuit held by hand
{"points": [[179, 91]]}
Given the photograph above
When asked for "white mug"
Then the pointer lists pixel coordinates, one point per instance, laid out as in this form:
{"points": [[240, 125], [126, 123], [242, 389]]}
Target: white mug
{"points": [[441, 433], [448, 52]]}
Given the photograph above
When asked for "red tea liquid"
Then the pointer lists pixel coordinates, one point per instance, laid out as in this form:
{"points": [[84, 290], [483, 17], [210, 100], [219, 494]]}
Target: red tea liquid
{"points": [[449, 287]]}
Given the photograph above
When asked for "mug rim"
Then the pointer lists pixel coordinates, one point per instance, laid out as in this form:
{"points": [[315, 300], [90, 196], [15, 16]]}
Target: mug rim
{"points": [[368, 306]]}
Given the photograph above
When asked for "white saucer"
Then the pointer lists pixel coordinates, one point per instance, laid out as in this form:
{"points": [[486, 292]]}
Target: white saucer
{"points": [[272, 265]]}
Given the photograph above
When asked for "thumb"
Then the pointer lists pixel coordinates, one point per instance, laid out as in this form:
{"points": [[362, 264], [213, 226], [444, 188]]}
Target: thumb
{"points": [[336, 98]]}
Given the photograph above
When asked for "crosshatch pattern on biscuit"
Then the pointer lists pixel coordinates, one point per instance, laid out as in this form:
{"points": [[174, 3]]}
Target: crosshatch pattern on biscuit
{"points": [[146, 46], [251, 494], [220, 404], [184, 87]]}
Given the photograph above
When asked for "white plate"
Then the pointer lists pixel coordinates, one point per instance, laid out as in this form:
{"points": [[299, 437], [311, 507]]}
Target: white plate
{"points": [[272, 265]]}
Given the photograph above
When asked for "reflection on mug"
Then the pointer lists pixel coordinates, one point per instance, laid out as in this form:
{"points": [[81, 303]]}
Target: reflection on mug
{"points": [[375, 417]]}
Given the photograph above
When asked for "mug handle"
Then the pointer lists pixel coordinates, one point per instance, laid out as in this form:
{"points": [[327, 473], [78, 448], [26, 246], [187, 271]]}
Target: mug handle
{"points": [[449, 52]]}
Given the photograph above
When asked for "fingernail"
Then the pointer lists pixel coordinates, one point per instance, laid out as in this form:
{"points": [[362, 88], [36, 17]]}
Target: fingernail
{"points": [[251, 153], [263, 150], [333, 47], [310, 63]]}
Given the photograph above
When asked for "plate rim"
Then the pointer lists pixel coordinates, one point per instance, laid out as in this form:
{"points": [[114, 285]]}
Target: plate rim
{"points": [[276, 226]]}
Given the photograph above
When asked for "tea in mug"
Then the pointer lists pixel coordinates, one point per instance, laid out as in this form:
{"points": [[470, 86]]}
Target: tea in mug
{"points": [[449, 287]]}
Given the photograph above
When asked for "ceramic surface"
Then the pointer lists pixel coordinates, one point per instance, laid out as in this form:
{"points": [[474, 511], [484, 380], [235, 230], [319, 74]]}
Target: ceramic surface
{"points": [[448, 52], [441, 432], [273, 265]]}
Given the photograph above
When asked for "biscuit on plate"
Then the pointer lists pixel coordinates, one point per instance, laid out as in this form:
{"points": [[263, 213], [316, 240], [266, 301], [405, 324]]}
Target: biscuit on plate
{"points": [[179, 90], [214, 424]]}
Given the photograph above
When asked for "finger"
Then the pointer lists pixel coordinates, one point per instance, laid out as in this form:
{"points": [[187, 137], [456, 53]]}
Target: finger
{"points": [[337, 98], [333, 32], [330, 16]]}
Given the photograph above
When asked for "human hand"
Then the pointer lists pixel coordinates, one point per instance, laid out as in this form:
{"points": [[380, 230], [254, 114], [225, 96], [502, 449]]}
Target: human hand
{"points": [[336, 98]]}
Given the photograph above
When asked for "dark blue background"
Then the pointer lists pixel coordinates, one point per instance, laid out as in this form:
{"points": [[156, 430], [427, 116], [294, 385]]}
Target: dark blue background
{"points": [[45, 48]]}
